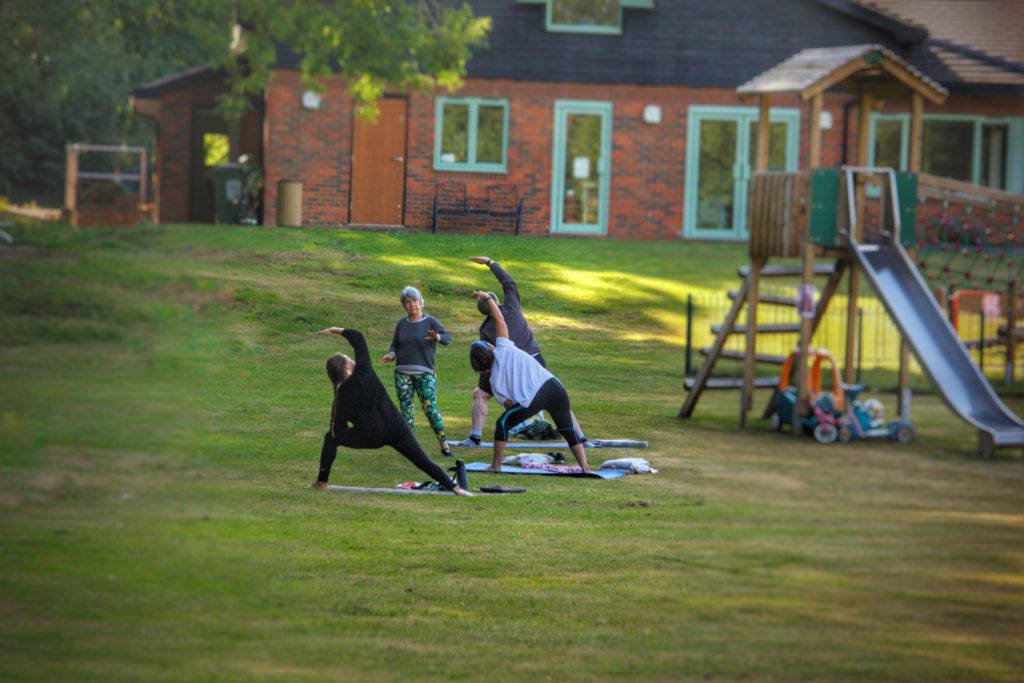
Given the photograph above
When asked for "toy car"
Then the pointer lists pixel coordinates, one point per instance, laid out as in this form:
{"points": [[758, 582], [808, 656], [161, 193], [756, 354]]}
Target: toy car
{"points": [[826, 407], [863, 420]]}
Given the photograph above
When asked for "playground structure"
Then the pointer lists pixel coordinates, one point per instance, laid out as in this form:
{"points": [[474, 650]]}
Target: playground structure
{"points": [[826, 213]]}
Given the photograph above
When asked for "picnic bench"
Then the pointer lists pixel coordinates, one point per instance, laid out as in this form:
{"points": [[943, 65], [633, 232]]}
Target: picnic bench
{"points": [[501, 201]]}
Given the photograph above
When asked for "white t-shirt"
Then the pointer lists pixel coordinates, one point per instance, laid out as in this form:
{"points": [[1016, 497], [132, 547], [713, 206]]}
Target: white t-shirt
{"points": [[515, 374]]}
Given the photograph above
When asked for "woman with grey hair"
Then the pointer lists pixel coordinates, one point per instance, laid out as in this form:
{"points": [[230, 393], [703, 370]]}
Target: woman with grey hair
{"points": [[412, 348]]}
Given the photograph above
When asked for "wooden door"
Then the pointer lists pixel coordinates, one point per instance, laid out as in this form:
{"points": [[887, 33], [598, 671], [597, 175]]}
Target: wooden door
{"points": [[211, 145], [378, 166]]}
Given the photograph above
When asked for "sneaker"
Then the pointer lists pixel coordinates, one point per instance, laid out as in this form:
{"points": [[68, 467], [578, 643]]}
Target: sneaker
{"points": [[470, 441]]}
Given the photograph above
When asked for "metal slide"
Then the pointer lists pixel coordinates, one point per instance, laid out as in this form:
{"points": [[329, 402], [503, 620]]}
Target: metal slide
{"points": [[936, 344]]}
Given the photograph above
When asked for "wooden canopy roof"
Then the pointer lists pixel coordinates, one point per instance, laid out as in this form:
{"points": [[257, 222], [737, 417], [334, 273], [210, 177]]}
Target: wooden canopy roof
{"points": [[858, 67]]}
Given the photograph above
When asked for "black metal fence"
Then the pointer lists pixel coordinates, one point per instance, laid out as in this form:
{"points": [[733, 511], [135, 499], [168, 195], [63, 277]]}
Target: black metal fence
{"points": [[876, 338]]}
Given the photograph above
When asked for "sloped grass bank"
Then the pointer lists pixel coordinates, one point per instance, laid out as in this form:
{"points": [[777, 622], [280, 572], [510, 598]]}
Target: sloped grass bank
{"points": [[162, 407]]}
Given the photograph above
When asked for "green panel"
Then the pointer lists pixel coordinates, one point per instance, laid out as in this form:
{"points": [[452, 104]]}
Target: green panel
{"points": [[906, 190], [824, 205]]}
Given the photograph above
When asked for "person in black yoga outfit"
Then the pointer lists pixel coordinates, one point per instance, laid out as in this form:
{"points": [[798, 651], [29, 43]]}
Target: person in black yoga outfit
{"points": [[363, 415]]}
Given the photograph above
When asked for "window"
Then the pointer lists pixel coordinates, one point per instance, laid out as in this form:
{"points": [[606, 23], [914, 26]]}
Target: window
{"points": [[889, 143], [946, 148], [975, 149], [585, 16], [471, 134], [216, 149]]}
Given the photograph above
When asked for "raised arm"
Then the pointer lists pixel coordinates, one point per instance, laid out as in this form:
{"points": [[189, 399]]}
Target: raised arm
{"points": [[500, 328], [508, 285], [355, 338]]}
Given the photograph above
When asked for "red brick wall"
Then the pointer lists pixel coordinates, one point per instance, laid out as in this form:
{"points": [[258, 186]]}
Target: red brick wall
{"points": [[648, 163], [647, 167], [174, 148], [313, 147]]}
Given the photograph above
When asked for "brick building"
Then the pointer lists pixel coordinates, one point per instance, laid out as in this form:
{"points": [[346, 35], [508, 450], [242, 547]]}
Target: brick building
{"points": [[621, 119]]}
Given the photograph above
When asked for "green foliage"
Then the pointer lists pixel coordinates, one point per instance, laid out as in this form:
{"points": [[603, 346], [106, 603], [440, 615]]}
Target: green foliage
{"points": [[70, 66], [68, 69]]}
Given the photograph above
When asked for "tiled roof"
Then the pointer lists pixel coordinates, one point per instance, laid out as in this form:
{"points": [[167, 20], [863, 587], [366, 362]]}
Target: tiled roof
{"points": [[817, 65], [991, 33]]}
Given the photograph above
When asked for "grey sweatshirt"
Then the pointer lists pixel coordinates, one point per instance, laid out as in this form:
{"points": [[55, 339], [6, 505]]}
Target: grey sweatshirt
{"points": [[414, 353]]}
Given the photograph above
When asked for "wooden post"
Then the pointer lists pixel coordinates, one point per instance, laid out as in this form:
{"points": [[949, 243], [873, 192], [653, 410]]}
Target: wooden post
{"points": [[917, 110], [914, 166], [862, 160], [814, 147], [751, 357], [143, 176], [850, 358], [902, 392], [71, 184], [803, 403], [764, 133], [1011, 337]]}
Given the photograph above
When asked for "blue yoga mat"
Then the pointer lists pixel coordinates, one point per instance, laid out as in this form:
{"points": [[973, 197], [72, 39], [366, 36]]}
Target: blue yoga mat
{"points": [[508, 469]]}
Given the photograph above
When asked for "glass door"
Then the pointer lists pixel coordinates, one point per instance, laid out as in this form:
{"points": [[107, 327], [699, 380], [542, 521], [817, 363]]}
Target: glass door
{"points": [[721, 152], [580, 173]]}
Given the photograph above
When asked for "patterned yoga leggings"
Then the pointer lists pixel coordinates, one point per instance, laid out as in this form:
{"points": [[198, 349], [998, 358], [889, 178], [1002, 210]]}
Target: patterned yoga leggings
{"points": [[424, 386]]}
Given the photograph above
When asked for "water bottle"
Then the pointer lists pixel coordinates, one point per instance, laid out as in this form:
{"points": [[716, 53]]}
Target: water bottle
{"points": [[460, 474]]}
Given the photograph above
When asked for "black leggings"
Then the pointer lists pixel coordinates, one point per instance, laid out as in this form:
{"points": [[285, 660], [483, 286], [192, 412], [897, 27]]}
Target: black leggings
{"points": [[550, 397], [403, 442]]}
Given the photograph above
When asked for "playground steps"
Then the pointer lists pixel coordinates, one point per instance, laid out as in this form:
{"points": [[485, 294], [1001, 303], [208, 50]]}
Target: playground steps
{"points": [[788, 271], [767, 299], [733, 382], [761, 329], [741, 355]]}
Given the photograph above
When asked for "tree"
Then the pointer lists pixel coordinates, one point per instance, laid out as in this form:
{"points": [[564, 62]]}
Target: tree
{"points": [[70, 65], [373, 44]]}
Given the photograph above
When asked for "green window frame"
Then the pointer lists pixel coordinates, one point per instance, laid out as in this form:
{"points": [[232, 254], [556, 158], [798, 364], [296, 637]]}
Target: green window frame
{"points": [[553, 22], [1012, 173], [458, 144]]}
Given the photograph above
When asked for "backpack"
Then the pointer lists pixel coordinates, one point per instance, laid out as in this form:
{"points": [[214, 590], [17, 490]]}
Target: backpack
{"points": [[538, 430]]}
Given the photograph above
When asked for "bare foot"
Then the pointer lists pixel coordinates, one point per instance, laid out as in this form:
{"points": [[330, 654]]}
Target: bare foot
{"points": [[492, 468], [459, 491], [318, 484]]}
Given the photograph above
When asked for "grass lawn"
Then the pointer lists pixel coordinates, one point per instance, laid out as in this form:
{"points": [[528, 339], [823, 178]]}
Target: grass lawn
{"points": [[162, 402]]}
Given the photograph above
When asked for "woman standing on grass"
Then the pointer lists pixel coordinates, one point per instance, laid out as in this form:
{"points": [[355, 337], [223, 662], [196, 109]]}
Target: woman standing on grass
{"points": [[412, 346], [363, 416], [523, 386]]}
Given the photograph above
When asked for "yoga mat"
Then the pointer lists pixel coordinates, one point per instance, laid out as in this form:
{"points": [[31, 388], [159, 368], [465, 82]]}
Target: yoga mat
{"points": [[363, 489], [596, 443], [508, 469], [415, 492]]}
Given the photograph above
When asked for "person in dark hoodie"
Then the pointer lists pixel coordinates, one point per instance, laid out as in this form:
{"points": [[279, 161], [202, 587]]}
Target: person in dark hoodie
{"points": [[363, 415], [519, 334]]}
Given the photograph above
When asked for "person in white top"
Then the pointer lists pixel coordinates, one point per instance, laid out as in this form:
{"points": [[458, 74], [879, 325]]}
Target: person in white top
{"points": [[523, 386]]}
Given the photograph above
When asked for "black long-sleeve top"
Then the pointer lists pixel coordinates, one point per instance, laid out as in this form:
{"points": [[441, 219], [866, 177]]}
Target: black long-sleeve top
{"points": [[363, 414], [511, 308]]}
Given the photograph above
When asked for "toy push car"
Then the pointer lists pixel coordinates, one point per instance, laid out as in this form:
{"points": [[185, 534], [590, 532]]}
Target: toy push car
{"points": [[863, 420], [823, 421]]}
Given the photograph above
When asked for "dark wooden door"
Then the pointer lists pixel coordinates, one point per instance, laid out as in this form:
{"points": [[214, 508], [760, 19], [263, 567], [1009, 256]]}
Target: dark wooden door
{"points": [[211, 145], [378, 166]]}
